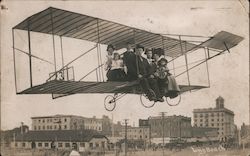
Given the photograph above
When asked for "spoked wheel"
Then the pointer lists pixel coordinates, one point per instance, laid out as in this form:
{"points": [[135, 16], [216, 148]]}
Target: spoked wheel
{"points": [[174, 101], [109, 102], [145, 100]]}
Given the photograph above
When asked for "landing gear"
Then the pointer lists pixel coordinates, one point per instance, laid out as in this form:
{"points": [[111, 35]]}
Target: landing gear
{"points": [[110, 102], [173, 101], [145, 100]]}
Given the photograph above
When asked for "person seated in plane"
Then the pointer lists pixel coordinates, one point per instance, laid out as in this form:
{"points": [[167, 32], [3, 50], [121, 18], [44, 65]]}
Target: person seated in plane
{"points": [[167, 83], [117, 69], [149, 85], [109, 56], [130, 63]]}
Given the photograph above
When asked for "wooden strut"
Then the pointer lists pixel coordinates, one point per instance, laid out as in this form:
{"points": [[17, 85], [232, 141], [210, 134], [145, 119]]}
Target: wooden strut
{"points": [[186, 60], [30, 60], [206, 57], [14, 58], [53, 38]]}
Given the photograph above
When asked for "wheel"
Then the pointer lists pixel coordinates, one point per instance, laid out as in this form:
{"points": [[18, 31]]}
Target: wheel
{"points": [[174, 101], [109, 103], [145, 100]]}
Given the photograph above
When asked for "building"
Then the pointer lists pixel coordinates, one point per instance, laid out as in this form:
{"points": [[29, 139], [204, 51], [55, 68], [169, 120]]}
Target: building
{"points": [[93, 123], [204, 134], [218, 117], [60, 139], [136, 133], [244, 138], [106, 125], [8, 135], [57, 122], [170, 126]]}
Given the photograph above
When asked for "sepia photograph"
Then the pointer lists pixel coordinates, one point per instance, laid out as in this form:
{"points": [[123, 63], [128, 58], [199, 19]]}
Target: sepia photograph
{"points": [[125, 78]]}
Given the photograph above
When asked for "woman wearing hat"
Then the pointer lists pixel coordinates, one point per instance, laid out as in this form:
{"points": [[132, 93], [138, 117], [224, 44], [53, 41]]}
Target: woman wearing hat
{"points": [[166, 81]]}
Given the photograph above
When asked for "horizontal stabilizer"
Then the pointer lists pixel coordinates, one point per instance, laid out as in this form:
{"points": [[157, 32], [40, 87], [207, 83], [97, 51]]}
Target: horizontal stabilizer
{"points": [[223, 41]]}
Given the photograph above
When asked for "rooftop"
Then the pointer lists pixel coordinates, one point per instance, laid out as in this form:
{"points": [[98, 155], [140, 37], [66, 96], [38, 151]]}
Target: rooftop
{"points": [[60, 135]]}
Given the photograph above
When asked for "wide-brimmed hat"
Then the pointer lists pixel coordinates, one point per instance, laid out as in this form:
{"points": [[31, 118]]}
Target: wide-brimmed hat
{"points": [[110, 46], [158, 51], [139, 46], [148, 49], [163, 60]]}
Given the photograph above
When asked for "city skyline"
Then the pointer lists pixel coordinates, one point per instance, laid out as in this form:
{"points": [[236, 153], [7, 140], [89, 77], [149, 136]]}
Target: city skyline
{"points": [[228, 73]]}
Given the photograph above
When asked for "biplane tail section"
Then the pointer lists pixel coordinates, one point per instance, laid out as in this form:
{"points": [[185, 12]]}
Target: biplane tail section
{"points": [[223, 41]]}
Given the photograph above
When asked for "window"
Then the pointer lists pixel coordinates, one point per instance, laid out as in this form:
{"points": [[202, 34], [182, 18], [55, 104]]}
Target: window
{"points": [[65, 120], [55, 127], [59, 144], [46, 144], [39, 127], [39, 120], [97, 145], [43, 121], [195, 115], [43, 127], [90, 144], [212, 125], [146, 136], [201, 125], [47, 120], [218, 124], [67, 144], [195, 125], [222, 120], [34, 127], [212, 119], [48, 127], [201, 115], [201, 120], [65, 126], [218, 119], [82, 144], [40, 144], [195, 120], [206, 125], [23, 144]]}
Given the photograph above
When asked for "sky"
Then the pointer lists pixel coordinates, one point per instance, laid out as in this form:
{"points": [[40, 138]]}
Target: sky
{"points": [[229, 73]]}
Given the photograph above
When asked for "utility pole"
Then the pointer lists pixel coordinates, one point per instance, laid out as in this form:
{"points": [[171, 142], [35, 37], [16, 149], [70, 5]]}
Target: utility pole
{"points": [[126, 126], [162, 121]]}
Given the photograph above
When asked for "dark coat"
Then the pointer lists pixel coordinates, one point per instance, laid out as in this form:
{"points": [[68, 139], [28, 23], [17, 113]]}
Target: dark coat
{"points": [[130, 62]]}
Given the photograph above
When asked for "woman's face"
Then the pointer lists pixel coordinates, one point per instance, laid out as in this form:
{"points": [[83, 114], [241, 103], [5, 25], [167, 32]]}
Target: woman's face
{"points": [[110, 51], [156, 57], [116, 57]]}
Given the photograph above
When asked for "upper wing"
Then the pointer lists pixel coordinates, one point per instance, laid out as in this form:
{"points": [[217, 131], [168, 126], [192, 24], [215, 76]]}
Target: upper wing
{"points": [[70, 24]]}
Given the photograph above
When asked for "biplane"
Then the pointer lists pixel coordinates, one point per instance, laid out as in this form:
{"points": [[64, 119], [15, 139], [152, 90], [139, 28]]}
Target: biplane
{"points": [[62, 23]]}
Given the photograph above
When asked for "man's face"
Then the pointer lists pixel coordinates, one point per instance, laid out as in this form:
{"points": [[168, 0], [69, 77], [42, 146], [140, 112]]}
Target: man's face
{"points": [[156, 57], [129, 47], [149, 54], [139, 51]]}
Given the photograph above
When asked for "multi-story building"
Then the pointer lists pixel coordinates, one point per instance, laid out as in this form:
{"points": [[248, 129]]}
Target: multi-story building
{"points": [[106, 125], [218, 117], [57, 122], [170, 126], [93, 123], [137, 133]]}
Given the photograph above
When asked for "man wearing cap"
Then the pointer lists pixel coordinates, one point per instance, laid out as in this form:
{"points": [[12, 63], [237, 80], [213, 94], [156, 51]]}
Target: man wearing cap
{"points": [[143, 72], [130, 63]]}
